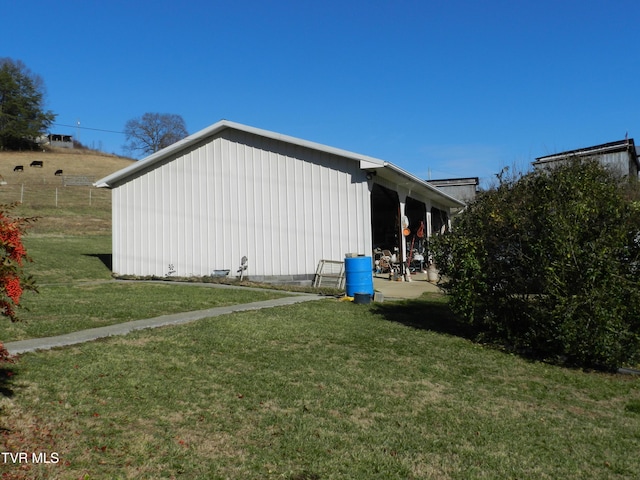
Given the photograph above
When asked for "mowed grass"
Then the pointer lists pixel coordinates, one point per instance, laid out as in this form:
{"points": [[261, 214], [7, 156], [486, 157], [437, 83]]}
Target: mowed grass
{"points": [[321, 390], [60, 309], [68, 259], [76, 291]]}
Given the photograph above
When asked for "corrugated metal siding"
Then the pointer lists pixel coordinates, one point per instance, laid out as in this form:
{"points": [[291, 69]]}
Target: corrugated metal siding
{"points": [[284, 206], [619, 162]]}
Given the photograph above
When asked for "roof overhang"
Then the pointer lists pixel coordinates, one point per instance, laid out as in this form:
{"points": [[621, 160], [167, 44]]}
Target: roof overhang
{"points": [[412, 184]]}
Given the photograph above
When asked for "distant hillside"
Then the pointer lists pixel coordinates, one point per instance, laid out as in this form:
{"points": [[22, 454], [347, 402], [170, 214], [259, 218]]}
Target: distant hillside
{"points": [[61, 210], [92, 164]]}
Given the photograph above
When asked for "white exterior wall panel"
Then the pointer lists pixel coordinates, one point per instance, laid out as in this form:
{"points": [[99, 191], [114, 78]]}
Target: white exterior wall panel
{"points": [[284, 206]]}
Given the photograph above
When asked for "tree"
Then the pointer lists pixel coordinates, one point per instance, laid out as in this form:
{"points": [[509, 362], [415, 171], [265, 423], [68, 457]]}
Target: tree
{"points": [[153, 132], [549, 264], [22, 116]]}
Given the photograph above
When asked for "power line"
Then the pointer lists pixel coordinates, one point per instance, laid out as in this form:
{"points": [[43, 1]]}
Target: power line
{"points": [[70, 126], [86, 128]]}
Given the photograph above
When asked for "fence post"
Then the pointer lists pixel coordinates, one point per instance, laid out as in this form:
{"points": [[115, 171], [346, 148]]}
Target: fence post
{"points": [[22, 193]]}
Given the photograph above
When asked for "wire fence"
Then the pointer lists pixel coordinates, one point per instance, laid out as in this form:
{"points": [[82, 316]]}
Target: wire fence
{"points": [[48, 195]]}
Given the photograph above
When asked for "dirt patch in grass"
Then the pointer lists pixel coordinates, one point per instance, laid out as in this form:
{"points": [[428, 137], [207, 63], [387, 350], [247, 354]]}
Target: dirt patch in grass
{"points": [[211, 445]]}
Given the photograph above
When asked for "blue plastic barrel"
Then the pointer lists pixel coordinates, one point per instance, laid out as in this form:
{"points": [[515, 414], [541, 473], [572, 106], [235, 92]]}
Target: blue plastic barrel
{"points": [[359, 275]]}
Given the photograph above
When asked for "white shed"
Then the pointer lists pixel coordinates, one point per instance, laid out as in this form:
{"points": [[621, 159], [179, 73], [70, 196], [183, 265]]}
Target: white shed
{"points": [[232, 190]]}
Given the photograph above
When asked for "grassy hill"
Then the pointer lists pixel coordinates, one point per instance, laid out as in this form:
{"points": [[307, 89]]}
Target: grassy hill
{"points": [[41, 193]]}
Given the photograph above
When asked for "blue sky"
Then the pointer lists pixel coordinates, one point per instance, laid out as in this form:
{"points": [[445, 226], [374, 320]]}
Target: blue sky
{"points": [[441, 88]]}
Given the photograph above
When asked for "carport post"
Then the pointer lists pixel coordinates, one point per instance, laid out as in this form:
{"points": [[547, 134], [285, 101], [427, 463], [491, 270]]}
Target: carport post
{"points": [[402, 196]]}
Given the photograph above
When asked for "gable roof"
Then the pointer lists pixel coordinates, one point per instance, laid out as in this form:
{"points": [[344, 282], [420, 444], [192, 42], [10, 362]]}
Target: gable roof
{"points": [[386, 169]]}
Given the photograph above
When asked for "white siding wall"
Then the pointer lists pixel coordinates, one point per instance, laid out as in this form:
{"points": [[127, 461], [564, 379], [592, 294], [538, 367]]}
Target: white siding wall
{"points": [[285, 207]]}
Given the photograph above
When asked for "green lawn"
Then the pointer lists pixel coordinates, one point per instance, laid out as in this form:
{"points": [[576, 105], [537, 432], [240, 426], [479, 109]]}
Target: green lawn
{"points": [[321, 390], [64, 259], [60, 309], [76, 291]]}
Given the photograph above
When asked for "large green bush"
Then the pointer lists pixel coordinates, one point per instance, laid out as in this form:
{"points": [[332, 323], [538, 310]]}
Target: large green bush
{"points": [[548, 263]]}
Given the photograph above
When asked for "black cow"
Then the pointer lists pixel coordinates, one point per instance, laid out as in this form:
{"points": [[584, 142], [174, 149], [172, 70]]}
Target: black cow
{"points": [[18, 168], [58, 172], [37, 163]]}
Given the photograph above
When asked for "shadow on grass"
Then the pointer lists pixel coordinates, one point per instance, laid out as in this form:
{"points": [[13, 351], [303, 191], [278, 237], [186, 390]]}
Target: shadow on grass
{"points": [[105, 258], [426, 314], [7, 375]]}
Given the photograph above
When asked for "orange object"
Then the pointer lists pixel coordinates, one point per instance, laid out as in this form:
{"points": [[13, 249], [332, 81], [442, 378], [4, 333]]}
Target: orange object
{"points": [[406, 232]]}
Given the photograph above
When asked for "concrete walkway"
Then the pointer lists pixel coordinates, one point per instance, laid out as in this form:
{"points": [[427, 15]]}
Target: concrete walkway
{"points": [[31, 345], [391, 290]]}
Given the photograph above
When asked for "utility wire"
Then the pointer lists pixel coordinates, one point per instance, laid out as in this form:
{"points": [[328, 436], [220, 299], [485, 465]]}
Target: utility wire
{"points": [[70, 126], [86, 128]]}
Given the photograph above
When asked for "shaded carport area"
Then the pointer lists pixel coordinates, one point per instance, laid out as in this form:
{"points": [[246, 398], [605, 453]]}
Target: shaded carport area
{"points": [[405, 213]]}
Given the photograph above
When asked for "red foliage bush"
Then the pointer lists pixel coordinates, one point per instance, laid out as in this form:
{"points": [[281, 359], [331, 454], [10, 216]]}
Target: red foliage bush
{"points": [[13, 280]]}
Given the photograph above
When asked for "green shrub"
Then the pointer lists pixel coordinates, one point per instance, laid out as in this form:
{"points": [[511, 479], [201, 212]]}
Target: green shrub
{"points": [[548, 263]]}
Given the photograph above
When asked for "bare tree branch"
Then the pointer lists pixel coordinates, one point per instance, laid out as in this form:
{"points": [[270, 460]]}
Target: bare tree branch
{"points": [[153, 132]]}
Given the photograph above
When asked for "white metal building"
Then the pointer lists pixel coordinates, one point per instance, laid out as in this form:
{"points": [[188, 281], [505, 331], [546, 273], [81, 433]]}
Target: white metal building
{"points": [[232, 190]]}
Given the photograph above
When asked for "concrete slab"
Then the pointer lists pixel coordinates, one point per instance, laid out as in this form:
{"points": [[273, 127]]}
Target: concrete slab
{"points": [[393, 289]]}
